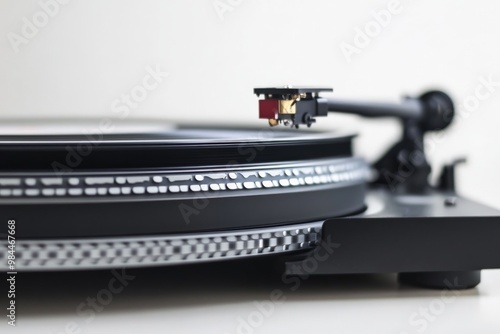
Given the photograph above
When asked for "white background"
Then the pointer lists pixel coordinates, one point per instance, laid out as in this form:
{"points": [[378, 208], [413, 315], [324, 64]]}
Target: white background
{"points": [[90, 52]]}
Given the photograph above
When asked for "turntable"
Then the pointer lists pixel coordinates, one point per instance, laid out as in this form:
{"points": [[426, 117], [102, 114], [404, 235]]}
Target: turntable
{"points": [[191, 194]]}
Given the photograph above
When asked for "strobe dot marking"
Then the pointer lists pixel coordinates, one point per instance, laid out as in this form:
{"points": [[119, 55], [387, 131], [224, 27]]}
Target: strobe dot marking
{"points": [[160, 185]]}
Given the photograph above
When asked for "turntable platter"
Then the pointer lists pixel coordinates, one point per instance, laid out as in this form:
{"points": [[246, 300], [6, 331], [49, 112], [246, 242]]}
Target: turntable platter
{"points": [[184, 181]]}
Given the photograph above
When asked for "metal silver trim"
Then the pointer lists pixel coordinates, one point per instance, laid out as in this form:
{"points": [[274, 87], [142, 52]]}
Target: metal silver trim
{"points": [[98, 253]]}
